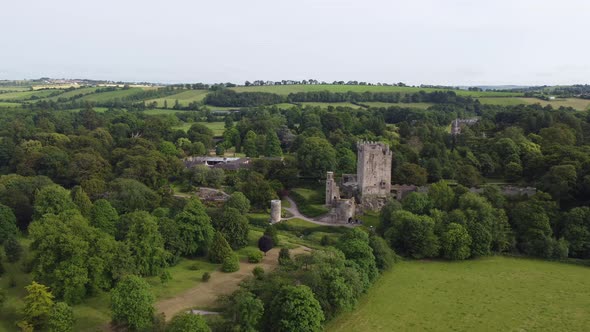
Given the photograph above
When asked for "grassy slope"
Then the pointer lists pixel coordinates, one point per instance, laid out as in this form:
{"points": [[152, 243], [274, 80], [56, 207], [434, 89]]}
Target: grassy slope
{"points": [[217, 127], [286, 89], [81, 91], [576, 103], [413, 105], [111, 95], [184, 98], [24, 95], [490, 294]]}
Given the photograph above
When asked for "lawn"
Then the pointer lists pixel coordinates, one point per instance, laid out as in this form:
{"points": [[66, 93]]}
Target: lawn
{"points": [[309, 201], [488, 294], [217, 127], [184, 98], [286, 89], [576, 103]]}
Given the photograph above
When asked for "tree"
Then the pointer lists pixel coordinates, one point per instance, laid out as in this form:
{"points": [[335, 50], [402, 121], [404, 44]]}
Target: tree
{"points": [[560, 181], [196, 231], [265, 244], [128, 195], [417, 203], [13, 249], [186, 321], [271, 231], [441, 195], [8, 227], [409, 173], [284, 257], [273, 145], [219, 249], [346, 160], [239, 201], [61, 318], [384, 256], [316, 156], [249, 146], [146, 243], [456, 242], [53, 199], [243, 311], [200, 133], [355, 246], [104, 216], [412, 235], [468, 176], [132, 303], [38, 304], [234, 226], [81, 200], [576, 230], [296, 309]]}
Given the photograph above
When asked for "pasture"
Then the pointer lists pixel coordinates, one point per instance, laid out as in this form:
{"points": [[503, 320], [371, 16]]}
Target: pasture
{"points": [[286, 89], [576, 103], [217, 127], [111, 95], [27, 95], [487, 294], [184, 98]]}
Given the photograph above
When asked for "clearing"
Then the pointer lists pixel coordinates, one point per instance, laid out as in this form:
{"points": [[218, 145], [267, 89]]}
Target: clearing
{"points": [[488, 294]]}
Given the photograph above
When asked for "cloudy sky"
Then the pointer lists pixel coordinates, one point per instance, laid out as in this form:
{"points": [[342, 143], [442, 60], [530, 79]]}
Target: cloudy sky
{"points": [[458, 42]]}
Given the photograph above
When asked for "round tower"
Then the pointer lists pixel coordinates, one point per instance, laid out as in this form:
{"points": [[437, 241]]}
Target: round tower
{"points": [[275, 211]]}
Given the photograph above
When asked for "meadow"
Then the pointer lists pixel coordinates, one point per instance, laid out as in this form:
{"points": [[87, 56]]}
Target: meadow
{"points": [[111, 95], [217, 127], [286, 89], [487, 294], [576, 103], [25, 95], [184, 98]]}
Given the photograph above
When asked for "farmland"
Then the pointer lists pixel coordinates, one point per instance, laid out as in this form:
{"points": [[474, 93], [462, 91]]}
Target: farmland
{"points": [[111, 95], [184, 98], [576, 103], [493, 294], [24, 95]]}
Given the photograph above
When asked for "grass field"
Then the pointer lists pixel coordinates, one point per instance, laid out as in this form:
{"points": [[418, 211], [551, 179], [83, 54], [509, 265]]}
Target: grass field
{"points": [[286, 89], [413, 105], [217, 127], [72, 93], [10, 105], [184, 98], [25, 95], [489, 294], [160, 111], [325, 105], [111, 95], [576, 103]]}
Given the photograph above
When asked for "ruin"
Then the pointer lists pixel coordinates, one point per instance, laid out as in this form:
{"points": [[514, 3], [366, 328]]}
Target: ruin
{"points": [[368, 189], [275, 211]]}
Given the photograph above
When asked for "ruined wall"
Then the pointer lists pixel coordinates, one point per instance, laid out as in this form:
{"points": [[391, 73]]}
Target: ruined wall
{"points": [[374, 169], [332, 190]]}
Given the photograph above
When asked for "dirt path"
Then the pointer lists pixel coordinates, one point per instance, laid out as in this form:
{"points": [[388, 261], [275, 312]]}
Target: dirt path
{"points": [[205, 294], [294, 210]]}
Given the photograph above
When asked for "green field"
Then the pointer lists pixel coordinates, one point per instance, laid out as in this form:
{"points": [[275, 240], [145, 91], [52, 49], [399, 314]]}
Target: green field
{"points": [[111, 95], [325, 105], [286, 89], [217, 127], [10, 105], [72, 93], [25, 95], [184, 98], [576, 103], [413, 105], [488, 294]]}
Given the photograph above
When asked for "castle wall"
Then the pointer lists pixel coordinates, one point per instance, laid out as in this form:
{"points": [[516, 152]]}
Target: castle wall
{"points": [[275, 211], [332, 190], [374, 168]]}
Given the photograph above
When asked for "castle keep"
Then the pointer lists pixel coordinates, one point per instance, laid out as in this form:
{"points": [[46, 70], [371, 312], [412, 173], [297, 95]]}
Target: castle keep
{"points": [[368, 189]]}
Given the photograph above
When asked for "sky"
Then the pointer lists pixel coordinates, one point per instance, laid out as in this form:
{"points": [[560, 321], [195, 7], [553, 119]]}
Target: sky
{"points": [[451, 42]]}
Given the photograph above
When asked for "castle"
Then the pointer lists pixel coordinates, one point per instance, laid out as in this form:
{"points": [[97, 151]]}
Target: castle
{"points": [[368, 189]]}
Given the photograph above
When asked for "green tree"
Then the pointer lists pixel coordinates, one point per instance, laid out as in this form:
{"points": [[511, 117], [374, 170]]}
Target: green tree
{"points": [[271, 231], [219, 249], [346, 160], [8, 227], [409, 173], [132, 303], [355, 246], [243, 311], [239, 201], [196, 230], [37, 304], [200, 133], [104, 216], [231, 263], [12, 249], [456, 242], [234, 226], [128, 195], [296, 309], [316, 156], [249, 146], [81, 200], [468, 176], [384, 256], [441, 195], [61, 318], [560, 182], [146, 243], [273, 145], [412, 235], [417, 203], [53, 199], [185, 321], [576, 230]]}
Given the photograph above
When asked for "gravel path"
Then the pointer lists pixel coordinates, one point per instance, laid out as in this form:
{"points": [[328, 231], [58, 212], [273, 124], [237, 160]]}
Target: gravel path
{"points": [[294, 210]]}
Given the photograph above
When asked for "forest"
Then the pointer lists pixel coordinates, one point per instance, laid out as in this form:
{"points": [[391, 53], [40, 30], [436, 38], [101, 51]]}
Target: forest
{"points": [[95, 202]]}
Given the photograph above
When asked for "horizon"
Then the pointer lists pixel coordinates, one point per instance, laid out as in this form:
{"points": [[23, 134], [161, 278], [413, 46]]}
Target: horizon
{"points": [[458, 43]]}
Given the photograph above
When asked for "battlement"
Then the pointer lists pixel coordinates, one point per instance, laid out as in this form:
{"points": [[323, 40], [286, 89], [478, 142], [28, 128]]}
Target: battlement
{"points": [[363, 146]]}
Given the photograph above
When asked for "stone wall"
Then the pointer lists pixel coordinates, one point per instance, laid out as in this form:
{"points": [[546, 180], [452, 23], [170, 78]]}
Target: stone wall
{"points": [[374, 168]]}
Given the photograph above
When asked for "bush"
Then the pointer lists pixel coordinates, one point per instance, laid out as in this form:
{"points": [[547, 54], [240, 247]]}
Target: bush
{"points": [[194, 267], [206, 276], [230, 264], [258, 272], [284, 257], [255, 256], [13, 250], [325, 241]]}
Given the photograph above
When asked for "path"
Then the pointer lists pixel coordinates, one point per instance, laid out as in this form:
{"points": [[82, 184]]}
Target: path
{"points": [[294, 211], [205, 294]]}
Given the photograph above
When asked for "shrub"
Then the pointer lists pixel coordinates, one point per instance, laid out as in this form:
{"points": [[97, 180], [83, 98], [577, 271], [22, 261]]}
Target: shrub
{"points": [[258, 272], [230, 264], [219, 249], [325, 241], [255, 256], [284, 257], [206, 276], [194, 267], [13, 249]]}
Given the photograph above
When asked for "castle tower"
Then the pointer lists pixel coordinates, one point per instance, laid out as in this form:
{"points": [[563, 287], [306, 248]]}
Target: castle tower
{"points": [[332, 190], [275, 211], [374, 168]]}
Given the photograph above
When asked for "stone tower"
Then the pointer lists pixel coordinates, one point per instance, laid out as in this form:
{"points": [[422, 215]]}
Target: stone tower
{"points": [[373, 169], [332, 190], [275, 211]]}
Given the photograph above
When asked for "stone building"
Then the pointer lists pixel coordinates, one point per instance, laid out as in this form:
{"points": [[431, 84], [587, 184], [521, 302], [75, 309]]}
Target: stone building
{"points": [[368, 189]]}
